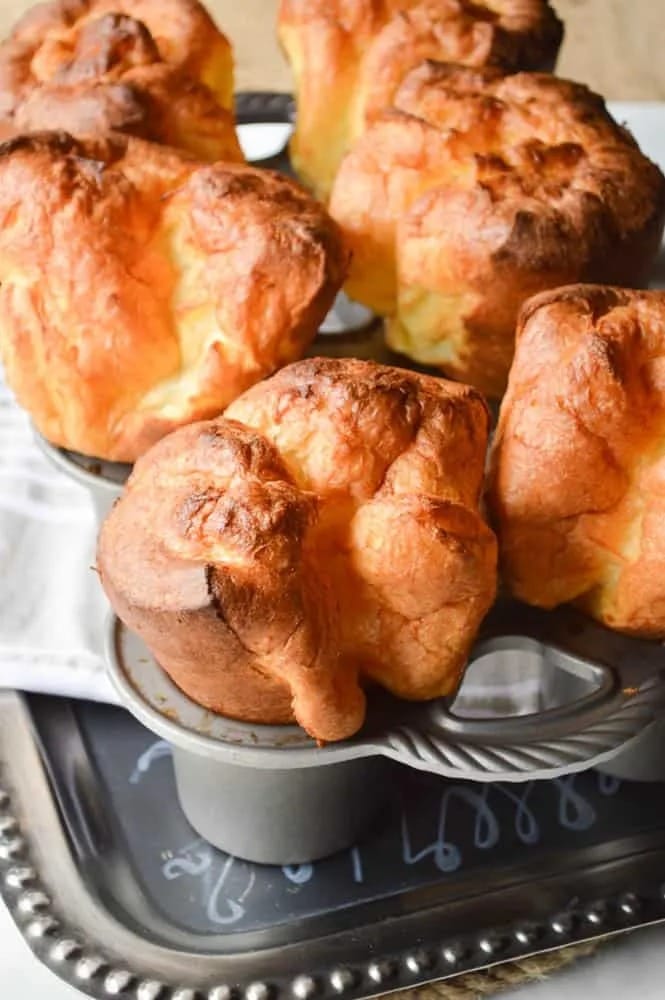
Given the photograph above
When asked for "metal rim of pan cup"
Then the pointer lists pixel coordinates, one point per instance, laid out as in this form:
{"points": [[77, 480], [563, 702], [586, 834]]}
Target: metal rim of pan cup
{"points": [[103, 480]]}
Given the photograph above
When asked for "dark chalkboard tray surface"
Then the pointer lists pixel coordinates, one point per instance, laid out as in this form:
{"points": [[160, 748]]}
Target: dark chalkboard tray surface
{"points": [[116, 893]]}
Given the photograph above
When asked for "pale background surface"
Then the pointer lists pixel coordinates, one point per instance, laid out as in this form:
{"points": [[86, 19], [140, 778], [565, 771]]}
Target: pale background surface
{"points": [[617, 47]]}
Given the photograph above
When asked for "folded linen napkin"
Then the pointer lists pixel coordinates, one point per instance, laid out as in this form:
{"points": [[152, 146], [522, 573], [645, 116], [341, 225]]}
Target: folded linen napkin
{"points": [[52, 608]]}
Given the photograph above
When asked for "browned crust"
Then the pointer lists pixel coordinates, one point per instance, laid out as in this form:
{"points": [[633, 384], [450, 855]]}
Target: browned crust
{"points": [[577, 469], [44, 39], [141, 289], [324, 533], [349, 59], [91, 68], [481, 190]]}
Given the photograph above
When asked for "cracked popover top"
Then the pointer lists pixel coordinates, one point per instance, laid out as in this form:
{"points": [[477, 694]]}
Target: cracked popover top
{"points": [[141, 289], [323, 535]]}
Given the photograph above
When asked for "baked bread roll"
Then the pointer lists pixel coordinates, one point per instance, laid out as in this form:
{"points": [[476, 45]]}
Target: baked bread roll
{"points": [[155, 69], [141, 289], [324, 533], [348, 59], [578, 480], [479, 190]]}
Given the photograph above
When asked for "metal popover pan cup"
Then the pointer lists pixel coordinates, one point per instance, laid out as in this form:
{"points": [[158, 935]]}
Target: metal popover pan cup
{"points": [[103, 480], [545, 694]]}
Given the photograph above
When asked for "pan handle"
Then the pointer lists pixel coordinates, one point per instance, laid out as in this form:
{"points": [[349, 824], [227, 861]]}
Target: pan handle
{"points": [[621, 691]]}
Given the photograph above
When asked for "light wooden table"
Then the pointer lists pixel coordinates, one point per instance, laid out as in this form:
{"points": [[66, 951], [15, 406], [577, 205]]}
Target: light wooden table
{"points": [[615, 46]]}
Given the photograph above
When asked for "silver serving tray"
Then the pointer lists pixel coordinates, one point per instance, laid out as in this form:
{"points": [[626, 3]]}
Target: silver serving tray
{"points": [[68, 877]]}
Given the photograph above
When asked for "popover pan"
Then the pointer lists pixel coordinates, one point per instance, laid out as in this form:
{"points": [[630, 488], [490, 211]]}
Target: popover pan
{"points": [[545, 694]]}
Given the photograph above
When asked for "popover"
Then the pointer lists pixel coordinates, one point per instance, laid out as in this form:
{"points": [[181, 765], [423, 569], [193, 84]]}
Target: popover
{"points": [[141, 289], [578, 480], [158, 70], [478, 190], [322, 535], [348, 60]]}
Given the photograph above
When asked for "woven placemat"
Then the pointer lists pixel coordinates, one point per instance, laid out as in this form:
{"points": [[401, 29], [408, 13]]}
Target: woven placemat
{"points": [[476, 985]]}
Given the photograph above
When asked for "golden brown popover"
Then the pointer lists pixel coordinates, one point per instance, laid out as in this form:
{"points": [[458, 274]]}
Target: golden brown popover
{"points": [[578, 480], [478, 190], [348, 59], [159, 70], [44, 41], [141, 289], [322, 534]]}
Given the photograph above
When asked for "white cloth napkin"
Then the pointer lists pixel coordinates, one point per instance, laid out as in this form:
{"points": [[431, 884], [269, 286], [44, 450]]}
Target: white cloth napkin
{"points": [[52, 608]]}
